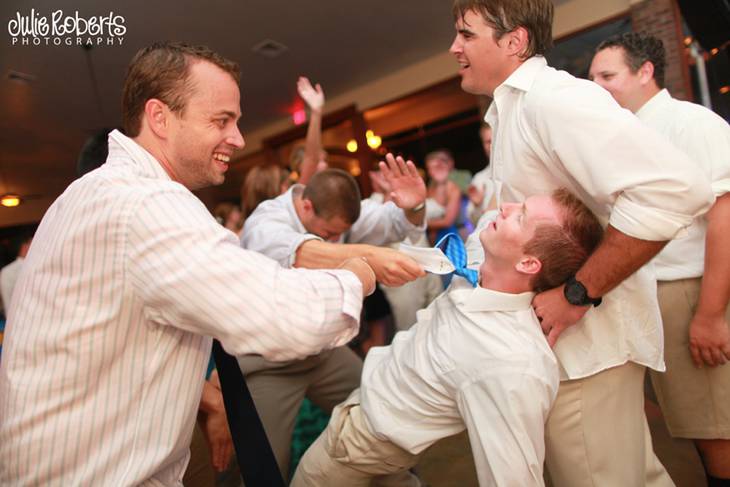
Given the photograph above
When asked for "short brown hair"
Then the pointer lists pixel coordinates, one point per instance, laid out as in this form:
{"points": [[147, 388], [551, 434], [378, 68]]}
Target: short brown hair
{"points": [[162, 71], [504, 16], [638, 49], [562, 249], [262, 183], [334, 193]]}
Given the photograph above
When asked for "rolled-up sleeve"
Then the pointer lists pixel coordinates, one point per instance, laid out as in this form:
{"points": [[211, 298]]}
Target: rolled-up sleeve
{"points": [[191, 273], [654, 190]]}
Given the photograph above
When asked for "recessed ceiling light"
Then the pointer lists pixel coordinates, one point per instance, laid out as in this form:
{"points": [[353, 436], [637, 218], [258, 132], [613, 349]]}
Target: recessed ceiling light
{"points": [[19, 77], [270, 48]]}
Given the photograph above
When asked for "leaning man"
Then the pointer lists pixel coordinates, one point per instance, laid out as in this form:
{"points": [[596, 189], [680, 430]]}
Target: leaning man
{"points": [[128, 277]]}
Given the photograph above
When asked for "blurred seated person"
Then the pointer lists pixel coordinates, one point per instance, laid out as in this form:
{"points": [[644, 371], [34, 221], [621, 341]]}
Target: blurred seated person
{"points": [[229, 215], [442, 193], [262, 183], [481, 190]]}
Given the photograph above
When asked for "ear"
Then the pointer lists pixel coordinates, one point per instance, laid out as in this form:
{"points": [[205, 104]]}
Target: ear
{"points": [[157, 117], [646, 72], [528, 264], [517, 41], [307, 207]]}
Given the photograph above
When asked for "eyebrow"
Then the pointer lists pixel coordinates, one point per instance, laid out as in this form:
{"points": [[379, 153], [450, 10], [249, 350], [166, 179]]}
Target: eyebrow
{"points": [[524, 211], [227, 113], [465, 31]]}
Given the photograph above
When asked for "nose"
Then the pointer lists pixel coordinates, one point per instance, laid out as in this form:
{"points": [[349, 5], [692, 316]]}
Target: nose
{"points": [[455, 48], [236, 138]]}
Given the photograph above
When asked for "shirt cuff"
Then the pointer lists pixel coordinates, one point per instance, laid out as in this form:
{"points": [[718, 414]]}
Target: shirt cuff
{"points": [[648, 223], [351, 303]]}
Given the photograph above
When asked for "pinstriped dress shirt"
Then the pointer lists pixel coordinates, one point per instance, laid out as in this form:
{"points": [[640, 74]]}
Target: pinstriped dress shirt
{"points": [[107, 342]]}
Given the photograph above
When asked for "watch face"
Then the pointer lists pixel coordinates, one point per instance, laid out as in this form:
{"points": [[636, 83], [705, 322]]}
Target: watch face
{"points": [[575, 293]]}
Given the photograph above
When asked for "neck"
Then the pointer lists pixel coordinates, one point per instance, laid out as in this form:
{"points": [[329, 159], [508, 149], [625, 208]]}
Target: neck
{"points": [[647, 94], [503, 277], [151, 145]]}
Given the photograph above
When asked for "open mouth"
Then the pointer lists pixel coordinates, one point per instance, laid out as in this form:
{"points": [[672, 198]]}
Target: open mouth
{"points": [[225, 158]]}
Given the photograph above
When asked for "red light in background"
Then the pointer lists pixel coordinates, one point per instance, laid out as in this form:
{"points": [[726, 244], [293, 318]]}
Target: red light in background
{"points": [[299, 116]]}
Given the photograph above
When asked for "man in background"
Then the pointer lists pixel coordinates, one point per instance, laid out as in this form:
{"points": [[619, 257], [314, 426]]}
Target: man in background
{"points": [[693, 273]]}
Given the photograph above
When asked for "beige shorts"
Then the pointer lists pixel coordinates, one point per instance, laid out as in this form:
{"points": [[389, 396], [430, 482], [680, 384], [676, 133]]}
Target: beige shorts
{"points": [[695, 402]]}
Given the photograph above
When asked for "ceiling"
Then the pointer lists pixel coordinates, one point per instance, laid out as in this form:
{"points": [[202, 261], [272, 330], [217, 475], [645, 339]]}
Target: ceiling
{"points": [[341, 44]]}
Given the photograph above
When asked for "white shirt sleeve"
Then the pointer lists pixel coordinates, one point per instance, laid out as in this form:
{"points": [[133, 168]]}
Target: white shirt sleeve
{"points": [[707, 141], [381, 224], [505, 416], [270, 231], [191, 273], [617, 161]]}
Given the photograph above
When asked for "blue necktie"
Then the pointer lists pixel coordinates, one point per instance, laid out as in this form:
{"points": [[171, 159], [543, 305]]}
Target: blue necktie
{"points": [[452, 246]]}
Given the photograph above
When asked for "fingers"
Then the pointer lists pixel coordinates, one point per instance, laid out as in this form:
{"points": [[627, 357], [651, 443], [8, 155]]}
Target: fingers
{"points": [[412, 171], [397, 166], [554, 335], [386, 165], [696, 358]]}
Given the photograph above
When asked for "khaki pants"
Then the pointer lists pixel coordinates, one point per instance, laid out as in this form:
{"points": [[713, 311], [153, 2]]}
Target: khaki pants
{"points": [[278, 390], [597, 434], [695, 402], [347, 454]]}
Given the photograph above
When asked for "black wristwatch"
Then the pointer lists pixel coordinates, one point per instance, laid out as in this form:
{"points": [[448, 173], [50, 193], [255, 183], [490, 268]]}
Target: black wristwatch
{"points": [[577, 295]]}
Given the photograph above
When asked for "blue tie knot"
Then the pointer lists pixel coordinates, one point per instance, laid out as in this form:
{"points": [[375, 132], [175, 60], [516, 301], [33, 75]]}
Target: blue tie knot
{"points": [[453, 248]]}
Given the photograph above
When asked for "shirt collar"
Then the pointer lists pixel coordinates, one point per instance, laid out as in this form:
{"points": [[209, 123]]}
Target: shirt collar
{"points": [[524, 76], [653, 104], [521, 79], [482, 299], [120, 144], [294, 192]]}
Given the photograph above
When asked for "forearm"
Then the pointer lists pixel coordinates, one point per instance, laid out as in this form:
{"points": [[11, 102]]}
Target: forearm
{"points": [[315, 254], [715, 290], [617, 257], [211, 401], [312, 147]]}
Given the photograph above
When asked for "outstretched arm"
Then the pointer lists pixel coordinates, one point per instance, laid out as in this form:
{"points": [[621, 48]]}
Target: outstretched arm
{"points": [[314, 98], [391, 267], [407, 189]]}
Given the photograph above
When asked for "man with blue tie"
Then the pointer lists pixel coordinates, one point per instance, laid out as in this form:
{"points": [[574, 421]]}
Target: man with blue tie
{"points": [[476, 360]]}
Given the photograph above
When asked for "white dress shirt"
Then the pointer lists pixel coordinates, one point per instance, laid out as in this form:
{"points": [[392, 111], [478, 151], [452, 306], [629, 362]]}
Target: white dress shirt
{"points": [[476, 359], [705, 137], [274, 228], [551, 130], [8, 278], [105, 349]]}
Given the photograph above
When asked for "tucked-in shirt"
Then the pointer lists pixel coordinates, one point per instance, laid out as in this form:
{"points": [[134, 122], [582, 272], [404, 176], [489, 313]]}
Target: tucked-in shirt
{"points": [[475, 359], [551, 130], [8, 278], [106, 349], [705, 137], [274, 228]]}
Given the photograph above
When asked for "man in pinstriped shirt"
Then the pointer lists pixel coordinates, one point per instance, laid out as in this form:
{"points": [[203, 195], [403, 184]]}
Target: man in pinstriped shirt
{"points": [[128, 277]]}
